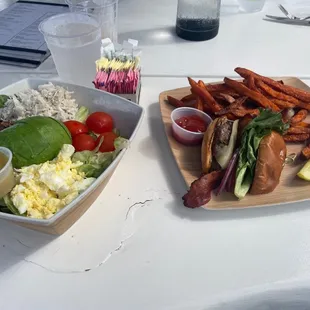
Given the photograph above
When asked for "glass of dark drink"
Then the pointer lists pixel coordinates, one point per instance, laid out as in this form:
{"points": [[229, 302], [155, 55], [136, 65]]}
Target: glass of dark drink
{"points": [[198, 20]]}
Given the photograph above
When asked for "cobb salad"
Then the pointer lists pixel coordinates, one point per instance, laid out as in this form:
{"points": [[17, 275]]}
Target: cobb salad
{"points": [[59, 149]]}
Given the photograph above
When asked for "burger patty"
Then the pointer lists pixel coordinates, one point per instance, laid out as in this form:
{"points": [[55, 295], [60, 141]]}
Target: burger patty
{"points": [[222, 135]]}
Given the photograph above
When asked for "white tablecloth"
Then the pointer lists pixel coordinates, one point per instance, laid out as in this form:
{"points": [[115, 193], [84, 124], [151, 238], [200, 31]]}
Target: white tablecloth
{"points": [[161, 255]]}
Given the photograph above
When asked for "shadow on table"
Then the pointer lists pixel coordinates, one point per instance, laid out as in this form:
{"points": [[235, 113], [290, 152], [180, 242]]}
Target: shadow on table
{"points": [[155, 36], [295, 298], [158, 148], [17, 243]]}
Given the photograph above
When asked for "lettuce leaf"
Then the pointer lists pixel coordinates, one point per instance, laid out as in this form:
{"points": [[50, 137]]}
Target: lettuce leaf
{"points": [[94, 162], [255, 131], [7, 206], [82, 114], [3, 100]]}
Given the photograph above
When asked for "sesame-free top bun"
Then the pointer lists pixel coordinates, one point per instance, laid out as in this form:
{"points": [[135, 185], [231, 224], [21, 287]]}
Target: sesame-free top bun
{"points": [[269, 164]]}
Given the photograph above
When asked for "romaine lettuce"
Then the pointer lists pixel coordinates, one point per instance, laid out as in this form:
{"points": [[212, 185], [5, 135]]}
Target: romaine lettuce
{"points": [[94, 162]]}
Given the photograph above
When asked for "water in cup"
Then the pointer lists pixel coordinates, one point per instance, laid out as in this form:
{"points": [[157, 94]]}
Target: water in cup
{"points": [[74, 40]]}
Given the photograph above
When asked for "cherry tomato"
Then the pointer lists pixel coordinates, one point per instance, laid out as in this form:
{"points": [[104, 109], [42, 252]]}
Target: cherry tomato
{"points": [[192, 123], [108, 142], [76, 127], [83, 142], [100, 122]]}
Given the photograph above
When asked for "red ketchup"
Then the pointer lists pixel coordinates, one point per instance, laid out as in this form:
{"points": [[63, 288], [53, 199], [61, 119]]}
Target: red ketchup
{"points": [[195, 127], [192, 123]]}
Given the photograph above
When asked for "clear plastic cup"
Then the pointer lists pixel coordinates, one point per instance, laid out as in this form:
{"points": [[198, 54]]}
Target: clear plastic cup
{"points": [[251, 6], [7, 180], [185, 136], [106, 12], [74, 40]]}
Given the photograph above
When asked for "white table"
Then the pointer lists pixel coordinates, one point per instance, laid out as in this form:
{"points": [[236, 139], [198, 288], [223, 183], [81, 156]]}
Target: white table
{"points": [[161, 255]]}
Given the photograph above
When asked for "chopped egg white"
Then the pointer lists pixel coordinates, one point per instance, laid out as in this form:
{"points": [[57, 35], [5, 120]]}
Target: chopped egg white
{"points": [[44, 189]]}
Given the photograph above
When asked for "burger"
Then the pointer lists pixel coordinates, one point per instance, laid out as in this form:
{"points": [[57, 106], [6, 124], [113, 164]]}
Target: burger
{"points": [[220, 142], [240, 157]]}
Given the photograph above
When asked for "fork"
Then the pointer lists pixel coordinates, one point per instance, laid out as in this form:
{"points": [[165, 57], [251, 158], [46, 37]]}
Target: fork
{"points": [[291, 16]]}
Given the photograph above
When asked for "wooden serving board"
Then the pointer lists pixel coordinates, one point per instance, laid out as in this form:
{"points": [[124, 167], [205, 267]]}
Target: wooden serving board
{"points": [[290, 189]]}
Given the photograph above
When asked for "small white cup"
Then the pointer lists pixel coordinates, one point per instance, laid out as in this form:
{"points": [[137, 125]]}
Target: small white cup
{"points": [[185, 136], [7, 181]]}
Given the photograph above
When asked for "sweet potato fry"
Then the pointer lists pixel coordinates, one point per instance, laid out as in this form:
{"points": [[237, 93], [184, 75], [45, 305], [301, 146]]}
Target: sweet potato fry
{"points": [[199, 104], [201, 84], [238, 110], [289, 90], [229, 92], [250, 82], [299, 116], [205, 96], [192, 82], [296, 138], [285, 104], [239, 102], [305, 153], [224, 111], [225, 97], [207, 110], [189, 97], [303, 105], [175, 102], [303, 124], [282, 104], [298, 130], [242, 111], [231, 117], [220, 88], [275, 94], [244, 91], [216, 87]]}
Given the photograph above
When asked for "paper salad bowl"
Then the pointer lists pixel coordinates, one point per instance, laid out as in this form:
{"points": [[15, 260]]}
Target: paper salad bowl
{"points": [[127, 118]]}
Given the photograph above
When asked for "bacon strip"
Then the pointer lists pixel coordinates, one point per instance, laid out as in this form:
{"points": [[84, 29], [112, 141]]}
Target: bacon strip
{"points": [[200, 190]]}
